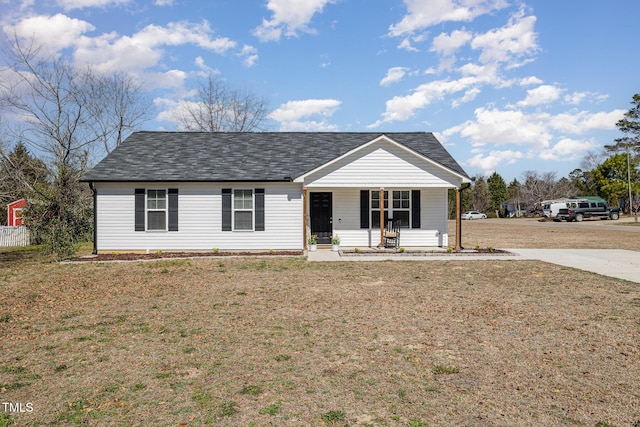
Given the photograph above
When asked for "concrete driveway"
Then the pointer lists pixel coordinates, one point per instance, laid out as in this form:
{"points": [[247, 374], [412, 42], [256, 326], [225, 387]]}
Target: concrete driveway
{"points": [[618, 263]]}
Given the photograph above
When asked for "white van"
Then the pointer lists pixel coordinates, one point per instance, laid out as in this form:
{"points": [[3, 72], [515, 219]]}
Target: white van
{"points": [[551, 208]]}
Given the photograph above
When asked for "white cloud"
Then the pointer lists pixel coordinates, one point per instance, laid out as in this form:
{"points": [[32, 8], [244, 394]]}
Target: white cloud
{"points": [[406, 45], [568, 149], [291, 114], [529, 81], [53, 33], [400, 108], [394, 75], [423, 14], [144, 49], [544, 94], [447, 44], [468, 96], [546, 136], [510, 43], [289, 17], [250, 55], [162, 3], [168, 79], [502, 127], [489, 163], [205, 70], [81, 4], [111, 51], [577, 123], [576, 98], [175, 111]]}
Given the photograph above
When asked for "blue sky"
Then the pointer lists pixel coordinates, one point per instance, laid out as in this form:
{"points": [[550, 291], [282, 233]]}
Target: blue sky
{"points": [[507, 86]]}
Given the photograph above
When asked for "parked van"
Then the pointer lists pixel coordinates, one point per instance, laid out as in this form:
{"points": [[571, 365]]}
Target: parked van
{"points": [[551, 208]]}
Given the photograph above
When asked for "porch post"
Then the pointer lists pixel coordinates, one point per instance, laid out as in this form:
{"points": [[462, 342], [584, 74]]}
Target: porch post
{"points": [[304, 221], [381, 245], [458, 220]]}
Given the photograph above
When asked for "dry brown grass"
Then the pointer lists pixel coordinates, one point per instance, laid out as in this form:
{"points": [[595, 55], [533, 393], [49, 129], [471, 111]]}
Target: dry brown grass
{"points": [[241, 342], [531, 233]]}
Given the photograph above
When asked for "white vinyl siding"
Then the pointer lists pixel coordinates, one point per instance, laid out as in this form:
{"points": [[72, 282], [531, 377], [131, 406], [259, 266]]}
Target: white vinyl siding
{"points": [[200, 212], [382, 165]]}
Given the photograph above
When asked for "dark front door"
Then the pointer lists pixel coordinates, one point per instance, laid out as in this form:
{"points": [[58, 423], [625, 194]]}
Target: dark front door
{"points": [[321, 211]]}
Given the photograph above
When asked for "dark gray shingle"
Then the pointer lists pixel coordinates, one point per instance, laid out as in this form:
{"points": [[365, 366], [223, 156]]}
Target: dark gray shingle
{"points": [[260, 156]]}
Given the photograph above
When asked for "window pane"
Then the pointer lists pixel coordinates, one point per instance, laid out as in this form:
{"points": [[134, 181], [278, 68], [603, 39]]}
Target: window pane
{"points": [[403, 217], [156, 220], [243, 220], [375, 219], [404, 196], [157, 199], [243, 199]]}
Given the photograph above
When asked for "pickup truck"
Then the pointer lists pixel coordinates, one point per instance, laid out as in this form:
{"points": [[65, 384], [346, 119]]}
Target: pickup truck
{"points": [[588, 210]]}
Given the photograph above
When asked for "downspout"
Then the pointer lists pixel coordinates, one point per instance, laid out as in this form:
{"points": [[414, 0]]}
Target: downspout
{"points": [[304, 215], [95, 218], [458, 215]]}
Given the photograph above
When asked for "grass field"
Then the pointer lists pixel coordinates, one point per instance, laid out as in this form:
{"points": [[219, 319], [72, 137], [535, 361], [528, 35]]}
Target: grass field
{"points": [[284, 342]]}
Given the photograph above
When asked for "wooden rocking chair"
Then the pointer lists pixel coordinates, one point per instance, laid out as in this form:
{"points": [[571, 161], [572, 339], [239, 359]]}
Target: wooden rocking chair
{"points": [[392, 234]]}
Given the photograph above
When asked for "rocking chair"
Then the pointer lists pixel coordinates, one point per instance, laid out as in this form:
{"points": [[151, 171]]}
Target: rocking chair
{"points": [[392, 234]]}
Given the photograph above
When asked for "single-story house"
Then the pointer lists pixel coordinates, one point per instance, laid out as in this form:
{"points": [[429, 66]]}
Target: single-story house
{"points": [[192, 191]]}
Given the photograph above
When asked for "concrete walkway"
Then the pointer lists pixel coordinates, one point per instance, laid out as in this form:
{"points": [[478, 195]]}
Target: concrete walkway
{"points": [[617, 263]]}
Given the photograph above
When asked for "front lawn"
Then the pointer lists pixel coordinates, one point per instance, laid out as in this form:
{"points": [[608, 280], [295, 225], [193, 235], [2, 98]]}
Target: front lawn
{"points": [[264, 341]]}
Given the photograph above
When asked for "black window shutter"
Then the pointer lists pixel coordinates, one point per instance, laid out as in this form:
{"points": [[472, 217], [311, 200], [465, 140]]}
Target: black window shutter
{"points": [[259, 196], [173, 209], [415, 208], [364, 208], [226, 209], [139, 209]]}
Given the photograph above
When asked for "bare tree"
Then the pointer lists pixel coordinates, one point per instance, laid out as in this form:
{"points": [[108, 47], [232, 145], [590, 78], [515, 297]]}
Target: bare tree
{"points": [[65, 116], [218, 108], [116, 103]]}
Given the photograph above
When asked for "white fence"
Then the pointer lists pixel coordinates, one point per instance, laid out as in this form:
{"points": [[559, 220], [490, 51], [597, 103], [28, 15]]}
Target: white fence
{"points": [[14, 236]]}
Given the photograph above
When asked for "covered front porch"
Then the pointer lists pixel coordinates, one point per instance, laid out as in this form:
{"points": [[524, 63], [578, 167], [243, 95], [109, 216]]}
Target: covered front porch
{"points": [[355, 195], [359, 217]]}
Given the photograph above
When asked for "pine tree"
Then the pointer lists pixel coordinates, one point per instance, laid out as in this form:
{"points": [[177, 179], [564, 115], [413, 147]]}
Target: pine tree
{"points": [[498, 191]]}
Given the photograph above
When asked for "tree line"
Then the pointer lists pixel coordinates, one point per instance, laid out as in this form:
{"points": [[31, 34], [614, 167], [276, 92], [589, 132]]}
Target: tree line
{"points": [[612, 174]]}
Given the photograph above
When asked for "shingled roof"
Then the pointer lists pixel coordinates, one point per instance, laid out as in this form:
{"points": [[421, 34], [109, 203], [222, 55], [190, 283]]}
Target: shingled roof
{"points": [[245, 156]]}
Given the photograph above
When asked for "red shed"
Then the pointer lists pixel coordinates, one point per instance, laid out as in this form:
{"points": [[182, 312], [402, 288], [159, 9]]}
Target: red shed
{"points": [[14, 212]]}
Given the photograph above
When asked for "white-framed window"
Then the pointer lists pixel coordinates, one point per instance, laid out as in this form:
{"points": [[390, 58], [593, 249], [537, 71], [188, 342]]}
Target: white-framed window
{"points": [[400, 208], [157, 210], [243, 209]]}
